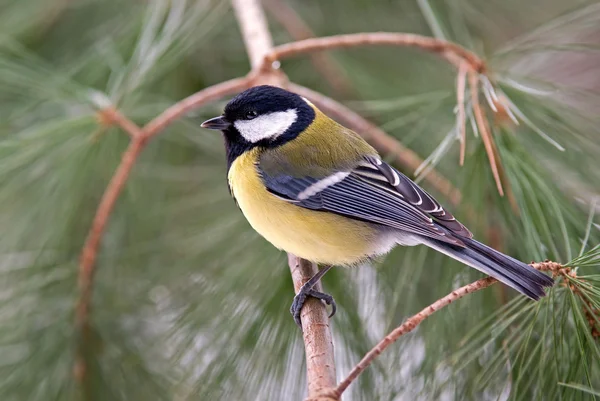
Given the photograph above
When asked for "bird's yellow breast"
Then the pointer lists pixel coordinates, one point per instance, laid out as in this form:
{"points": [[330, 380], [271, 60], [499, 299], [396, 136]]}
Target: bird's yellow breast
{"points": [[316, 236]]}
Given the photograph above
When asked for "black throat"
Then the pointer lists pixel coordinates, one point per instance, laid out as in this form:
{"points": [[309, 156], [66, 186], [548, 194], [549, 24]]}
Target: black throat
{"points": [[235, 145]]}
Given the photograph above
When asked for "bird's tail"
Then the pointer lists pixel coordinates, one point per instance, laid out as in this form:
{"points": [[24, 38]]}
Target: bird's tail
{"points": [[505, 269]]}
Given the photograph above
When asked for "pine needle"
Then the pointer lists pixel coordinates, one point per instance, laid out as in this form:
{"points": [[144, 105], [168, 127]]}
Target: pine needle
{"points": [[484, 128]]}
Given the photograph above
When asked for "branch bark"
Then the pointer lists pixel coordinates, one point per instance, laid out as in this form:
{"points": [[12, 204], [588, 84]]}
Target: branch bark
{"points": [[90, 251], [194, 101], [255, 31], [452, 52], [112, 116], [318, 343], [411, 323]]}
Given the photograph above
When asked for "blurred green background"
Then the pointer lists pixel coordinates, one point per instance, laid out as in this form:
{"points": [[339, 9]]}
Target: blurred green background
{"points": [[189, 303]]}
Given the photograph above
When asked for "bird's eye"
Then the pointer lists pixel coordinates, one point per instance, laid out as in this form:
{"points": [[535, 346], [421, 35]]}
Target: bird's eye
{"points": [[251, 114]]}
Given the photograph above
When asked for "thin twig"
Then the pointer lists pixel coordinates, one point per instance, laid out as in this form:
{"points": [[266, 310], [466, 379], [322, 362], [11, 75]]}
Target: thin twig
{"points": [[107, 203], [411, 323], [451, 51], [255, 31], [140, 137], [194, 101], [484, 129], [88, 256], [112, 116], [383, 142], [90, 250], [324, 64], [460, 102]]}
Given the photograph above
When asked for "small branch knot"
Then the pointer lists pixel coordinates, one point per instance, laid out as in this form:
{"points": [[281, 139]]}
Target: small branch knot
{"points": [[267, 75], [479, 66], [268, 62], [503, 116], [106, 117], [556, 268]]}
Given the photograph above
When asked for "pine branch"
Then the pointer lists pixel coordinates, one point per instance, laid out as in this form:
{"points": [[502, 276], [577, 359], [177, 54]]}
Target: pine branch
{"points": [[255, 32], [111, 116], [198, 99], [411, 323], [140, 137], [454, 53], [90, 250]]}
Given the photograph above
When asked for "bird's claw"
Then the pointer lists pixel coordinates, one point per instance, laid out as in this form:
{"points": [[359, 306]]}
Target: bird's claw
{"points": [[325, 297], [300, 299], [296, 307]]}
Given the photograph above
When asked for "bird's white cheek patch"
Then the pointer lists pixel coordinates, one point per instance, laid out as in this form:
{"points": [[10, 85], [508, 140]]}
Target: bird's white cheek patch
{"points": [[266, 126]]}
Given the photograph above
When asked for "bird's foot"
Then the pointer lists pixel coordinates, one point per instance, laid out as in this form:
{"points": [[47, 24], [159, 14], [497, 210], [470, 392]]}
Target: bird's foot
{"points": [[307, 290], [300, 299]]}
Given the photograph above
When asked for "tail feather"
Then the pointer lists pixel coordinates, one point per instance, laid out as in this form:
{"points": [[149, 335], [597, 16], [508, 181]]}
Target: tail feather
{"points": [[505, 269]]}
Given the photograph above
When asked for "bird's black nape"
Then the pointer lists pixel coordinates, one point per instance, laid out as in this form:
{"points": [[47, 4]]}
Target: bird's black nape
{"points": [[262, 100]]}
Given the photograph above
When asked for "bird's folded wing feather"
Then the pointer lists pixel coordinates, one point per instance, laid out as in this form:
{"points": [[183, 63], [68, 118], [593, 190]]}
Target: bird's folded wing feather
{"points": [[374, 192]]}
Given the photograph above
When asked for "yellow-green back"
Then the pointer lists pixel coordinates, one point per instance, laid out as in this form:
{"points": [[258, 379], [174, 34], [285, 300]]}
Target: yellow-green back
{"points": [[323, 147]]}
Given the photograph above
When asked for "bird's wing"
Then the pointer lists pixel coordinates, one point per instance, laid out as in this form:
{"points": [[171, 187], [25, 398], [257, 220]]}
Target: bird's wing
{"points": [[373, 191]]}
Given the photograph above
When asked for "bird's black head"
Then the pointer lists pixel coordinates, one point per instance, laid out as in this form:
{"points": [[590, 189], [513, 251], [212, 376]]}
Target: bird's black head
{"points": [[263, 116]]}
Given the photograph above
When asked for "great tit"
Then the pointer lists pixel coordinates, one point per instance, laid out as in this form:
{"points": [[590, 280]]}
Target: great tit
{"points": [[316, 189]]}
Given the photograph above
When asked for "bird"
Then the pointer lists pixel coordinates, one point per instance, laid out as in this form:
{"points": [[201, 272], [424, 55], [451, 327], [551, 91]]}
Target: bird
{"points": [[318, 190]]}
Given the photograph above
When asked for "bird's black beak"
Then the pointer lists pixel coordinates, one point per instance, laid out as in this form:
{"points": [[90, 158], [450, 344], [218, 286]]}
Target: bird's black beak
{"points": [[219, 123]]}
